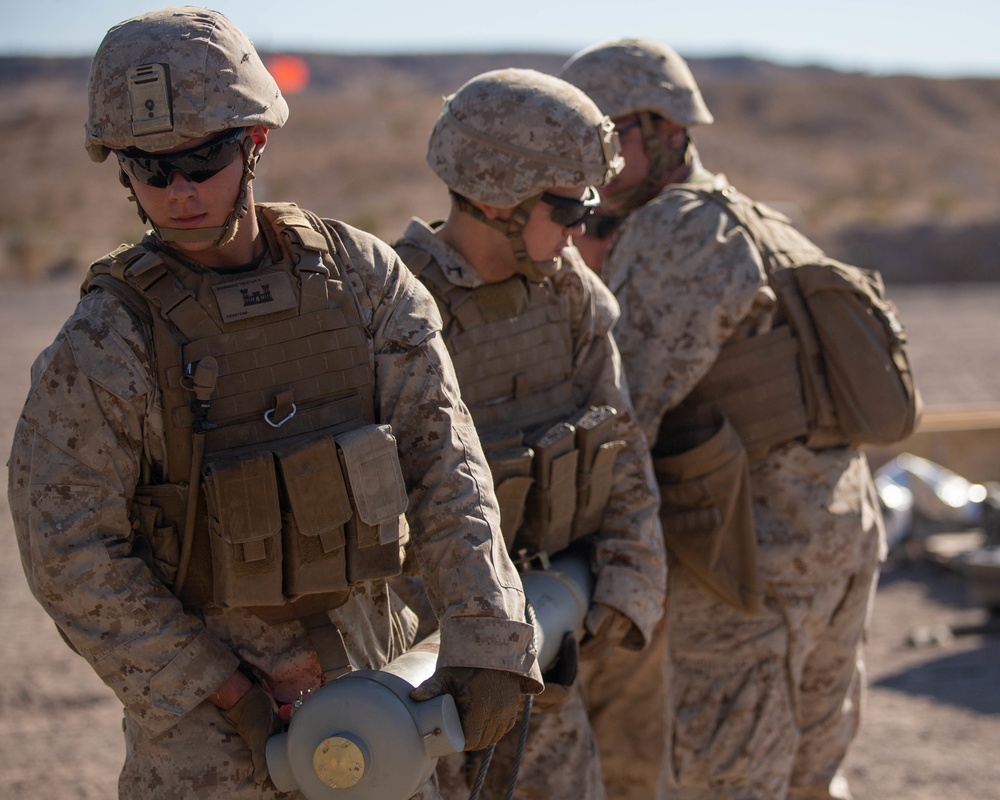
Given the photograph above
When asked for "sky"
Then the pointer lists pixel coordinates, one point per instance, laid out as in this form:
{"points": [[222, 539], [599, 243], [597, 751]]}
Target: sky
{"points": [[954, 38]]}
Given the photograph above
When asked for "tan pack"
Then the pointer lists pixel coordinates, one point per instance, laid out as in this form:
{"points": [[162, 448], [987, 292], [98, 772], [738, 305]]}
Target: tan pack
{"points": [[857, 381]]}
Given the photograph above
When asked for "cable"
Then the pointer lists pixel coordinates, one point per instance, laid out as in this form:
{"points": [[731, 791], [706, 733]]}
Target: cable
{"points": [[483, 769], [522, 741], [521, 744]]}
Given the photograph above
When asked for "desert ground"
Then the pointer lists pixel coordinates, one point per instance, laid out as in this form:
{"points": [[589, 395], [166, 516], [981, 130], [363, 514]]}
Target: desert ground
{"points": [[932, 723]]}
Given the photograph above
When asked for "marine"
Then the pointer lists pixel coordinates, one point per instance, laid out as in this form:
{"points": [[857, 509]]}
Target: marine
{"points": [[529, 328], [247, 420]]}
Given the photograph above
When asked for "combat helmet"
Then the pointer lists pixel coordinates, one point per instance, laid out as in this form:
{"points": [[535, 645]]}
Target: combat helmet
{"points": [[626, 76], [649, 79], [509, 135], [165, 77]]}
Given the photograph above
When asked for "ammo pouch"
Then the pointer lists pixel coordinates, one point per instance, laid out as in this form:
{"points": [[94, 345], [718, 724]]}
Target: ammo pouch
{"points": [[598, 450], [706, 509], [303, 517], [564, 495], [510, 463], [551, 501], [157, 517]]}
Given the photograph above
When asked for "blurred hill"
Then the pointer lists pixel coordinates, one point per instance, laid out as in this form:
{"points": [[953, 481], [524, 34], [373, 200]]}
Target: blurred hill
{"points": [[901, 173]]}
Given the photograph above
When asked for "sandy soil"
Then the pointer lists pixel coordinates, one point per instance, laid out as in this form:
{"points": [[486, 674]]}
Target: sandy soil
{"points": [[932, 723]]}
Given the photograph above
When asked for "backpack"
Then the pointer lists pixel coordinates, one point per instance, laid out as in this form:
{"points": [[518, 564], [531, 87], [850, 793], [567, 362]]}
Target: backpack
{"points": [[858, 383]]}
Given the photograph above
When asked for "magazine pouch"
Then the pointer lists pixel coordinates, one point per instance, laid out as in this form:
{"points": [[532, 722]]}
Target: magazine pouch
{"points": [[156, 510], [551, 504], [376, 531], [244, 528], [598, 449], [510, 465], [318, 509]]}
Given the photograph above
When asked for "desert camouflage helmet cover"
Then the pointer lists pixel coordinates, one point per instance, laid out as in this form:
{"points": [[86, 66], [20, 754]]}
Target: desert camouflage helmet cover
{"points": [[625, 76], [511, 134], [162, 78]]}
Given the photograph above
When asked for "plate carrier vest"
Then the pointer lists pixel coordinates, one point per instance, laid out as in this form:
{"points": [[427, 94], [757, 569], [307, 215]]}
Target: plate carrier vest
{"points": [[280, 490], [551, 461]]}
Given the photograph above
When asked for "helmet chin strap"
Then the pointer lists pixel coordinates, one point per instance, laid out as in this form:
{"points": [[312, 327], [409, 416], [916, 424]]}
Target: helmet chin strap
{"points": [[662, 161], [218, 235], [513, 229]]}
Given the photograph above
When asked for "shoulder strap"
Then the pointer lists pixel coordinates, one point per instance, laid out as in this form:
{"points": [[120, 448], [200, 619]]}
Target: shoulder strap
{"points": [[428, 271], [316, 248], [743, 212], [109, 274]]}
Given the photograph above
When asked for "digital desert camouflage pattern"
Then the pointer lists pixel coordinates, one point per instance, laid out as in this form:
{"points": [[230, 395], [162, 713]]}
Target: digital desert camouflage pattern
{"points": [[560, 759], [215, 79], [485, 147], [629, 75], [768, 702], [629, 562], [93, 415]]}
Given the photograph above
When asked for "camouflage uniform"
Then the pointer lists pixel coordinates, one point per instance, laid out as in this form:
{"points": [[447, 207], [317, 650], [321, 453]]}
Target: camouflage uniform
{"points": [[90, 420], [92, 417], [759, 705], [94, 430], [763, 705], [561, 759], [532, 346]]}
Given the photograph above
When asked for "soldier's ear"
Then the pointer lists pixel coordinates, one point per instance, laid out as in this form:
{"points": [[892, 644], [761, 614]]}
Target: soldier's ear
{"points": [[493, 212], [259, 135]]}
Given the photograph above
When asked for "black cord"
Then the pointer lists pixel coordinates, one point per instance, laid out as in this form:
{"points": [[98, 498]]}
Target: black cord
{"points": [[522, 741]]}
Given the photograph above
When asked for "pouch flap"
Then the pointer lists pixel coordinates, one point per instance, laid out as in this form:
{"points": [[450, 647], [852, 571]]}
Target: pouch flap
{"points": [[242, 497], [371, 461], [317, 493]]}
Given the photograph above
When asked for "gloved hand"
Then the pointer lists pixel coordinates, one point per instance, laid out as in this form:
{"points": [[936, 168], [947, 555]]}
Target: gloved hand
{"points": [[606, 628], [487, 700], [256, 719], [559, 677]]}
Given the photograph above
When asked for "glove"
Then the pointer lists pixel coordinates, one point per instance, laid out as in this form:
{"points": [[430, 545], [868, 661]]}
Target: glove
{"points": [[256, 719], [487, 700], [559, 677], [607, 628]]}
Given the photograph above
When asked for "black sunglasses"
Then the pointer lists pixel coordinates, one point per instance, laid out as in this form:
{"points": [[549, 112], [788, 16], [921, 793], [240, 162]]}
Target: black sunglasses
{"points": [[569, 211], [197, 164]]}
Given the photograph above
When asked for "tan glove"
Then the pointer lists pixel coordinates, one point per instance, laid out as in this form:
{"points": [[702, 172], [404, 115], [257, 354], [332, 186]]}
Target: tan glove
{"points": [[487, 700], [607, 628], [256, 719]]}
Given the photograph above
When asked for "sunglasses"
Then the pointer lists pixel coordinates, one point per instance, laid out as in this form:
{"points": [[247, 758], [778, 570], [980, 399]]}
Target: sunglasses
{"points": [[197, 164], [569, 212]]}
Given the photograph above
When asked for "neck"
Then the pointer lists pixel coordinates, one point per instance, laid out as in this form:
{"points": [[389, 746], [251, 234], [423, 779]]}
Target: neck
{"points": [[486, 249]]}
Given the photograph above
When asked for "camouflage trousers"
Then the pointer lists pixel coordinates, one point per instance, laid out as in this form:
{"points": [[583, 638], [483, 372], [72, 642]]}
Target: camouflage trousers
{"points": [[559, 762], [200, 758], [764, 706], [624, 692]]}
